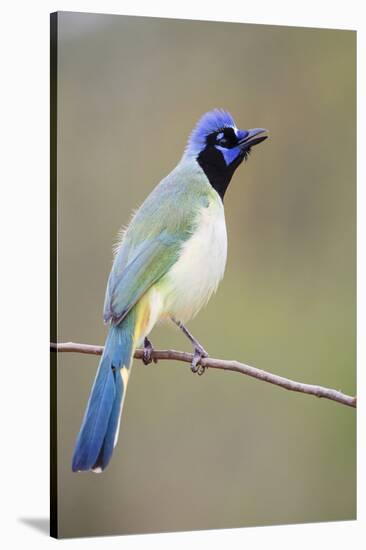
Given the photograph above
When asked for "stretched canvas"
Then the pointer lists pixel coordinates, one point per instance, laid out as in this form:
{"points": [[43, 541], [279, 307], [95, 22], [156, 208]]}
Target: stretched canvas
{"points": [[236, 446]]}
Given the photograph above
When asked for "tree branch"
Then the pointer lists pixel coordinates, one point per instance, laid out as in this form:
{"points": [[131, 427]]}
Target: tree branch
{"points": [[235, 366]]}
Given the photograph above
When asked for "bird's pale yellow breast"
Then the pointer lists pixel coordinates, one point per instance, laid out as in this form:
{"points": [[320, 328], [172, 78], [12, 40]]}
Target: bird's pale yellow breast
{"points": [[187, 287]]}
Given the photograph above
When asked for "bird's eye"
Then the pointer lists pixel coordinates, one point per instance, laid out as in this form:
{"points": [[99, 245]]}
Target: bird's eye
{"points": [[226, 138], [221, 139]]}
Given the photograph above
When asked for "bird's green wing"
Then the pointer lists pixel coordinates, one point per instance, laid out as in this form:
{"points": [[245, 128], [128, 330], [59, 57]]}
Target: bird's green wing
{"points": [[152, 260], [153, 240]]}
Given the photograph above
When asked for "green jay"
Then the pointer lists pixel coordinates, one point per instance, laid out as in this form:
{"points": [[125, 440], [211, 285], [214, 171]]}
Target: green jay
{"points": [[169, 261]]}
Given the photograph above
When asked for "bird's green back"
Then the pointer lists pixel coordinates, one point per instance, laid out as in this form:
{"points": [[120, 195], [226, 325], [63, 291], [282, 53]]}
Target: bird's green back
{"points": [[152, 242]]}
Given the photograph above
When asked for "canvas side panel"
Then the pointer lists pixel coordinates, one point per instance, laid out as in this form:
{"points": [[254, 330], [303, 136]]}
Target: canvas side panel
{"points": [[53, 274]]}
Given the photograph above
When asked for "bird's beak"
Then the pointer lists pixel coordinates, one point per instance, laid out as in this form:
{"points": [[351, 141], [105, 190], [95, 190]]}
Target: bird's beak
{"points": [[248, 138]]}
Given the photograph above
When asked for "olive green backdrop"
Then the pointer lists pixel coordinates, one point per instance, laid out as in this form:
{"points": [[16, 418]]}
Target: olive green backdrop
{"points": [[221, 450]]}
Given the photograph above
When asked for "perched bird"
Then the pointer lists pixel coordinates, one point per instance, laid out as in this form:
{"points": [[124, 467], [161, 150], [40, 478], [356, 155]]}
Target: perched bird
{"points": [[170, 260]]}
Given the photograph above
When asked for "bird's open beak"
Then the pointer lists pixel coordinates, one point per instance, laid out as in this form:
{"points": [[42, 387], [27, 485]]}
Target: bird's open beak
{"points": [[250, 137]]}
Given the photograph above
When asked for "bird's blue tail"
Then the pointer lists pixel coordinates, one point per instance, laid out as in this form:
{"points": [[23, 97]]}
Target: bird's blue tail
{"points": [[99, 430]]}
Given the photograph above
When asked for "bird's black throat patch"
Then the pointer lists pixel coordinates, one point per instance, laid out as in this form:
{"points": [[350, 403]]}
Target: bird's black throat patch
{"points": [[213, 164]]}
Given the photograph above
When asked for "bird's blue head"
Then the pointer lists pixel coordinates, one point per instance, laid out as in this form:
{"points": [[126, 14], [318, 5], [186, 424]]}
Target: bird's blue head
{"points": [[220, 147]]}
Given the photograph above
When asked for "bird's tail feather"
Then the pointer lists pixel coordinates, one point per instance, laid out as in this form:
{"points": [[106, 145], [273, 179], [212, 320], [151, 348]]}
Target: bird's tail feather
{"points": [[99, 430]]}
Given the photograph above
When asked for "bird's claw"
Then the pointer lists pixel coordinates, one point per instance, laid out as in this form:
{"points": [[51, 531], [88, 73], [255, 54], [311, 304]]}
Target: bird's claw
{"points": [[148, 355], [196, 367]]}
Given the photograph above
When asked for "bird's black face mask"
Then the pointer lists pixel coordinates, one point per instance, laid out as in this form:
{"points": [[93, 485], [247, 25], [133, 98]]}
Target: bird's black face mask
{"points": [[225, 150]]}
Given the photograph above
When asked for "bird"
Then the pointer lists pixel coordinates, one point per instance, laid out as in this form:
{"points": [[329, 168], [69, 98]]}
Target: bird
{"points": [[167, 264]]}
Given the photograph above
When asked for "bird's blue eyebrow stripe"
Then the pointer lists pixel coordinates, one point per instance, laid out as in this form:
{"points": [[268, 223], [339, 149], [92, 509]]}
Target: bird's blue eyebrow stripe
{"points": [[211, 122]]}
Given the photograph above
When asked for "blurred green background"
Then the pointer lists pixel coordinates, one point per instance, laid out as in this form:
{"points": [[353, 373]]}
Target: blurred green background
{"points": [[221, 450]]}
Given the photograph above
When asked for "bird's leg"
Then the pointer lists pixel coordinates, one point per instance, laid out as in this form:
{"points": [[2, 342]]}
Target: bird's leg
{"points": [[147, 357], [199, 351]]}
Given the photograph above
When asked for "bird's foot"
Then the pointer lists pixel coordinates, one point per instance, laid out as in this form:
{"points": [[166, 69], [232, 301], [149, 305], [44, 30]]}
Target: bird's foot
{"points": [[199, 351], [199, 354], [148, 356]]}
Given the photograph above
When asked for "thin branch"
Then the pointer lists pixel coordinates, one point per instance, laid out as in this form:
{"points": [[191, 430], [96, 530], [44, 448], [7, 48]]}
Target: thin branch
{"points": [[235, 366]]}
